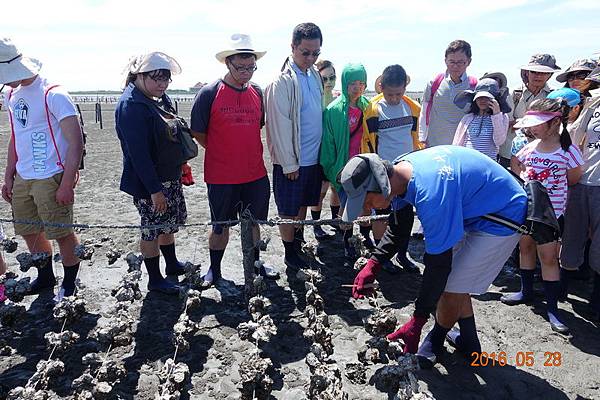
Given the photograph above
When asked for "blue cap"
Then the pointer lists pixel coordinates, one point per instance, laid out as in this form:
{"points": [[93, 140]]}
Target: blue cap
{"points": [[572, 96]]}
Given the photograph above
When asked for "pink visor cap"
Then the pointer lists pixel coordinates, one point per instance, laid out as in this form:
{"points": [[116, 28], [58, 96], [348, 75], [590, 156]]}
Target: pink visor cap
{"points": [[533, 118]]}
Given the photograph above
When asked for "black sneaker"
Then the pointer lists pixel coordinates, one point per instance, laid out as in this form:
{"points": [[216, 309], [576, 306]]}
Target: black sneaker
{"points": [[294, 263], [38, 286], [164, 286], [177, 270]]}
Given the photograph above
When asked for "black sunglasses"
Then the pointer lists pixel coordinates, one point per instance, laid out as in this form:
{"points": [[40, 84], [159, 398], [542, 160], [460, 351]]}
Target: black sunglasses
{"points": [[330, 78], [306, 53], [577, 75]]}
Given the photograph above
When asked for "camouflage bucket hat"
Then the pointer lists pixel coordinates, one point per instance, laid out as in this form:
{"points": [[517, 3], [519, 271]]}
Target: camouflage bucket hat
{"points": [[579, 65], [594, 75], [542, 63]]}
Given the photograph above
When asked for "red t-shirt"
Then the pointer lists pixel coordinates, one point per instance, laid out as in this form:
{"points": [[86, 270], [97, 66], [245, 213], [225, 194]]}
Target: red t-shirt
{"points": [[354, 114], [232, 119]]}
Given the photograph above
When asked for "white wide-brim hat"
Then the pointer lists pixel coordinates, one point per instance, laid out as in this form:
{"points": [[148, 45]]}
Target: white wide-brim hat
{"points": [[13, 65], [533, 118], [239, 43], [152, 62]]}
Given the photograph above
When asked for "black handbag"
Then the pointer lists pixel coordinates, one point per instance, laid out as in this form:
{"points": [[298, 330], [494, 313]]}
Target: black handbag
{"points": [[180, 131]]}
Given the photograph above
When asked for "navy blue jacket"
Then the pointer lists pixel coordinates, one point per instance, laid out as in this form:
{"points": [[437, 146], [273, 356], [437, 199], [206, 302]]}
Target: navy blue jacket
{"points": [[150, 156]]}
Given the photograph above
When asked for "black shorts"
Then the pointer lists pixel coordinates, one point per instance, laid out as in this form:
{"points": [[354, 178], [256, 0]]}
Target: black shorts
{"points": [[543, 233], [305, 191], [228, 201]]}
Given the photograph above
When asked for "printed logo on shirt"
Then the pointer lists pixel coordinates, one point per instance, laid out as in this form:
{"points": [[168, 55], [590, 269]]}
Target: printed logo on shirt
{"points": [[550, 165], [39, 151], [241, 114], [444, 168], [596, 144], [21, 111]]}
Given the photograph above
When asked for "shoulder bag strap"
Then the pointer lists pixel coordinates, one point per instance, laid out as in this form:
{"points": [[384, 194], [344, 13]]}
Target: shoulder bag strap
{"points": [[12, 126], [435, 85], [59, 163], [499, 219]]}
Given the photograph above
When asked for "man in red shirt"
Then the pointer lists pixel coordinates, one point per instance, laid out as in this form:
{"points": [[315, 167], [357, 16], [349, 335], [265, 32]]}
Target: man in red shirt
{"points": [[226, 120]]}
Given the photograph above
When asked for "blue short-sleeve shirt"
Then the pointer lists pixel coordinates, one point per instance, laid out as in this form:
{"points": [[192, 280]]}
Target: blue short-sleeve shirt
{"points": [[452, 187]]}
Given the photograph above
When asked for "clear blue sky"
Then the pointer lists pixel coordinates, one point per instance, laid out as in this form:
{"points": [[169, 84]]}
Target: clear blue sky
{"points": [[85, 44]]}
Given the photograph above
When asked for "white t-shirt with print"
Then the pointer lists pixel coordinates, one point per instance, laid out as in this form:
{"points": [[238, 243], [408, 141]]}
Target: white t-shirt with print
{"points": [[36, 154], [550, 169]]}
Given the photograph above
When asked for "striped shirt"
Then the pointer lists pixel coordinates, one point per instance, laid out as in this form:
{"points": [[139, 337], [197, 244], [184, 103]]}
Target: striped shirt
{"points": [[550, 169], [480, 136]]}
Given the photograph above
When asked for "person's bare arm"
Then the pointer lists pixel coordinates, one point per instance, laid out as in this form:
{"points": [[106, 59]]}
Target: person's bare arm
{"points": [[71, 130], [10, 172], [200, 138], [516, 166], [574, 175]]}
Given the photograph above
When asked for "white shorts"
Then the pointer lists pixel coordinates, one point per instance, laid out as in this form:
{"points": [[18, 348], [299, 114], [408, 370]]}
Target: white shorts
{"points": [[476, 261]]}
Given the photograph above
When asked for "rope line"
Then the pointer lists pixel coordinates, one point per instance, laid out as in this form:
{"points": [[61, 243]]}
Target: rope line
{"points": [[270, 222]]}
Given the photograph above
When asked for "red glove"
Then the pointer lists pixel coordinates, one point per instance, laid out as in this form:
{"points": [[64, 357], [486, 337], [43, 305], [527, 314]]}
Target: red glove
{"points": [[186, 175], [364, 277], [410, 333]]}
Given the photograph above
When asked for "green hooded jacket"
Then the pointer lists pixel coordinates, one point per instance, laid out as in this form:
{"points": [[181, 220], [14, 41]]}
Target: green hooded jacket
{"points": [[335, 143]]}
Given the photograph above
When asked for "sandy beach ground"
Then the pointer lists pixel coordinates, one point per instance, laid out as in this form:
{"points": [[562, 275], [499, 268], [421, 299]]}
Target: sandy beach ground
{"points": [[216, 350]]}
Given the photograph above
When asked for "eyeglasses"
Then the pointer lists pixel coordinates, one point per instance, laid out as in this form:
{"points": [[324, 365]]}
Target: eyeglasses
{"points": [[241, 68], [161, 79], [330, 78], [460, 63], [577, 75], [306, 53]]}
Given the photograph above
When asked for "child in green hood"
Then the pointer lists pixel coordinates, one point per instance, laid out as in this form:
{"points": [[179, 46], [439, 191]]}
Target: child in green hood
{"points": [[343, 127]]}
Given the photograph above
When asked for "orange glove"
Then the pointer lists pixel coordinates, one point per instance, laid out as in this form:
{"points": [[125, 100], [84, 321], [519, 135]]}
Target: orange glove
{"points": [[187, 178]]}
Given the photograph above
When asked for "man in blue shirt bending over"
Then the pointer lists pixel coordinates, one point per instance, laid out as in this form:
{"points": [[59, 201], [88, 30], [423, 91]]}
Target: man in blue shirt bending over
{"points": [[451, 188]]}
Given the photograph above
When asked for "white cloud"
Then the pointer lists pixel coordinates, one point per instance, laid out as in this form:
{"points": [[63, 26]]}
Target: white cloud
{"points": [[85, 44]]}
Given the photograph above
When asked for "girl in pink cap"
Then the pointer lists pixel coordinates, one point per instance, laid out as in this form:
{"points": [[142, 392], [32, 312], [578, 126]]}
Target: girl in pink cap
{"points": [[553, 160]]}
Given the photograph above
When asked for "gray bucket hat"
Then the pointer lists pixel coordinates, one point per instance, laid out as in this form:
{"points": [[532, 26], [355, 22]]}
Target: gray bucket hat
{"points": [[580, 65], [542, 63], [594, 75], [362, 174], [486, 87], [498, 77]]}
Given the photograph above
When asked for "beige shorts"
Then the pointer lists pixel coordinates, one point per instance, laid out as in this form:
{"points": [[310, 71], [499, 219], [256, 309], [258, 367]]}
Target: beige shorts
{"points": [[35, 200]]}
